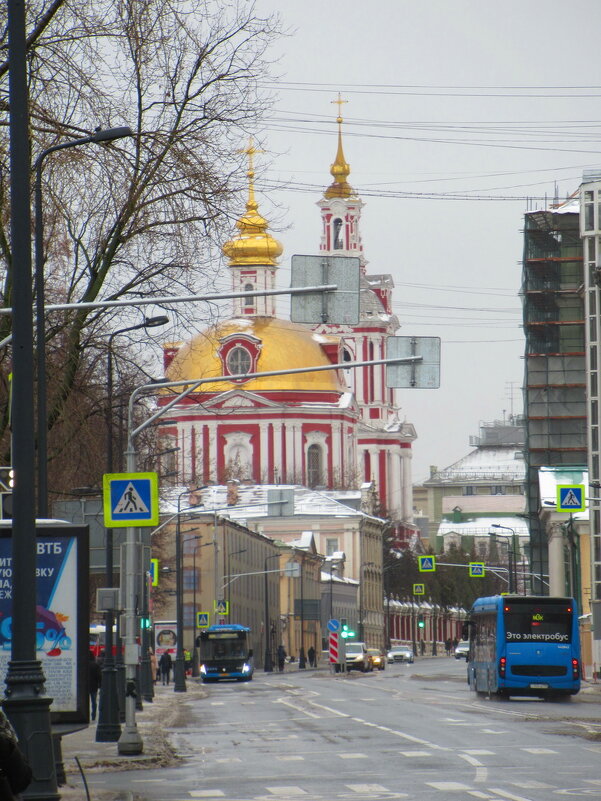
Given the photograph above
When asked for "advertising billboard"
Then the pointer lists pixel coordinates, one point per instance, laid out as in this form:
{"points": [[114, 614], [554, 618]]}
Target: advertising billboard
{"points": [[61, 614]]}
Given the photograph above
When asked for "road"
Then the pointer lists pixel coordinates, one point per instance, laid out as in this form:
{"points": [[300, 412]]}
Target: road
{"points": [[411, 731]]}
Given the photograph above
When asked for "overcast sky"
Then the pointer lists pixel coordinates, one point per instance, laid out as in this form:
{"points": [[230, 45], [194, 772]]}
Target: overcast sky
{"points": [[461, 116]]}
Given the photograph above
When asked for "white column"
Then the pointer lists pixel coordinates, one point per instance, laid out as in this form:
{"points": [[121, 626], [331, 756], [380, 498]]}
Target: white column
{"points": [[289, 435], [406, 485], [212, 427], [557, 579], [263, 450]]}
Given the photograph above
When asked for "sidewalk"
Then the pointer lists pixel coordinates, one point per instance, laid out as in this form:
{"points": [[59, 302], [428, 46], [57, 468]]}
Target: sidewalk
{"points": [[152, 723]]}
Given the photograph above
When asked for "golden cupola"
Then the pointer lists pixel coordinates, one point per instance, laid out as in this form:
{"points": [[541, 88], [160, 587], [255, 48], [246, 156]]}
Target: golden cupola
{"points": [[253, 245], [339, 170]]}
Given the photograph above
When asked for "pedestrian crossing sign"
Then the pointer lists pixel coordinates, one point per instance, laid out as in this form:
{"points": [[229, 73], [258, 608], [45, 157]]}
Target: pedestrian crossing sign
{"points": [[477, 569], [571, 498], [426, 564], [130, 499], [419, 589], [202, 620], [221, 607]]}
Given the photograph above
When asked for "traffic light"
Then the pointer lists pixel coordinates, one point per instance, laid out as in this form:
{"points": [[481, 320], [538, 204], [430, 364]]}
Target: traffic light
{"points": [[345, 632], [420, 622], [145, 623], [7, 481]]}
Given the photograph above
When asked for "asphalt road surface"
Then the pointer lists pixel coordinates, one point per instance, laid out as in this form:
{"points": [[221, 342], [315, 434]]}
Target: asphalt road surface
{"points": [[411, 731]]}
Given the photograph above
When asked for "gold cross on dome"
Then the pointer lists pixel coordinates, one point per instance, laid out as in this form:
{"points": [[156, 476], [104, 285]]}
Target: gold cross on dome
{"points": [[339, 102], [250, 151]]}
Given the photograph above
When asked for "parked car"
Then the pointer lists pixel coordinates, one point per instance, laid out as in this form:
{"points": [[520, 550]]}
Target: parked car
{"points": [[400, 653], [377, 658], [462, 650], [357, 657]]}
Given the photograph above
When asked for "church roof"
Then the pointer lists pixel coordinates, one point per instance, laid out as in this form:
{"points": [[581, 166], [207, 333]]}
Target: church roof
{"points": [[283, 346]]}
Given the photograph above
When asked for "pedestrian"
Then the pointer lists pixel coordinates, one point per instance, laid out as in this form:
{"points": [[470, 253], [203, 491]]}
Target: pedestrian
{"points": [[165, 663], [281, 658], [154, 665], [455, 643], [15, 771], [422, 647], [447, 646], [94, 683], [311, 655], [188, 661]]}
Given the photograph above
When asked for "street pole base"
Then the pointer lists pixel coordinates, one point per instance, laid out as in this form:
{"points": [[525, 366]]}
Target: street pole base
{"points": [[130, 743]]}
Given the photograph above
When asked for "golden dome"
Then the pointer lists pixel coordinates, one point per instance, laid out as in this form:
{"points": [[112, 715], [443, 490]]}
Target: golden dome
{"points": [[283, 346], [253, 245], [339, 170]]}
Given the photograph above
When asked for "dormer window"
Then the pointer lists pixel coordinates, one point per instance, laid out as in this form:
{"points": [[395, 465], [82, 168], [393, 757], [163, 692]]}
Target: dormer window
{"points": [[239, 354], [249, 303], [238, 361]]}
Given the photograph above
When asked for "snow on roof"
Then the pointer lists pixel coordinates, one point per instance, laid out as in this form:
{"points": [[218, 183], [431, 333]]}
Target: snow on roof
{"points": [[486, 464], [483, 527], [252, 502]]}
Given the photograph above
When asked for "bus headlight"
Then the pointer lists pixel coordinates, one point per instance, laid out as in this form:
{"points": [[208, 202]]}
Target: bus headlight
{"points": [[245, 668], [203, 670]]}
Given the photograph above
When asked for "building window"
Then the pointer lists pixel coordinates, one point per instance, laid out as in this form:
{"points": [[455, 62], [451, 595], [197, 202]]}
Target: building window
{"points": [[331, 545], [249, 303], [238, 361], [468, 490], [314, 466], [337, 234], [498, 490]]}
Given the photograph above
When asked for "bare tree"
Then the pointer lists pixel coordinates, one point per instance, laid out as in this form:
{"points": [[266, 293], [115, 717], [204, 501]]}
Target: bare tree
{"points": [[142, 217]]}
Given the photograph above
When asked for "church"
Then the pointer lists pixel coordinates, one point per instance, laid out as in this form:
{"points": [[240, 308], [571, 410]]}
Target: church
{"points": [[330, 430]]}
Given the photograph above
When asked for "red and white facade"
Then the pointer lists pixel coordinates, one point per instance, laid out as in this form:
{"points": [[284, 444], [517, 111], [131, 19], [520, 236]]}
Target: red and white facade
{"points": [[333, 429]]}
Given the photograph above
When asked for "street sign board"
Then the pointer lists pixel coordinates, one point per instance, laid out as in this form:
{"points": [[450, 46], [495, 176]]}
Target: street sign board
{"points": [[202, 620], [339, 306], [571, 498], [426, 564], [130, 499], [221, 607], [422, 374], [333, 625], [419, 589], [477, 569], [154, 572]]}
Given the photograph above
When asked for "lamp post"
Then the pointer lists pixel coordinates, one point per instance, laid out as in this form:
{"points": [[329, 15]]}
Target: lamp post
{"points": [[26, 703], [268, 662], [108, 728], [513, 561], [99, 137]]}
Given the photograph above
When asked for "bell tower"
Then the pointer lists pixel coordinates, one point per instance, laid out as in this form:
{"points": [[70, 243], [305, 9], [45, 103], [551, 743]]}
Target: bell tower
{"points": [[341, 207], [253, 254]]}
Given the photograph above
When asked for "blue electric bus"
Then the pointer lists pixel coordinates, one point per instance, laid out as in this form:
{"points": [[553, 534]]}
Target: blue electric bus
{"points": [[225, 653], [524, 645]]}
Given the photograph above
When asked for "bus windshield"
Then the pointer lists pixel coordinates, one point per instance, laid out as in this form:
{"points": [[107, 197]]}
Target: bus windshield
{"points": [[222, 646], [537, 622]]}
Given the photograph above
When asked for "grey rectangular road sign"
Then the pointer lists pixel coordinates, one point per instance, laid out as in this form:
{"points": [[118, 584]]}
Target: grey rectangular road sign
{"points": [[424, 372], [339, 306]]}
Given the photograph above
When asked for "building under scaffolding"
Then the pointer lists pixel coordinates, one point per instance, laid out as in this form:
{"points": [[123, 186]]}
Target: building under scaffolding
{"points": [[555, 376]]}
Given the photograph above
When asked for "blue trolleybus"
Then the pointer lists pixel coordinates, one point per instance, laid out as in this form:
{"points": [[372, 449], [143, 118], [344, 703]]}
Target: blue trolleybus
{"points": [[524, 645], [225, 653]]}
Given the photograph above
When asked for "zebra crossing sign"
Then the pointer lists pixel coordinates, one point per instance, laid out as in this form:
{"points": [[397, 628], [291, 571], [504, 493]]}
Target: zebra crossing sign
{"points": [[130, 499], [571, 498]]}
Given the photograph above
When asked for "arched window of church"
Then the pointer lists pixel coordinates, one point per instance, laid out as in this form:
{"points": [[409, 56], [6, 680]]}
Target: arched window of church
{"points": [[314, 466], [238, 361], [249, 303], [337, 234]]}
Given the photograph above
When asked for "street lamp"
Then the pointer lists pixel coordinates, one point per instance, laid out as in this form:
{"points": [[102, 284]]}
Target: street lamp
{"points": [[108, 728], [513, 561], [99, 136], [268, 662]]}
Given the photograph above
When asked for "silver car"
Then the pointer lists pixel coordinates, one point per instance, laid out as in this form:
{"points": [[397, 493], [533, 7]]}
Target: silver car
{"points": [[400, 653]]}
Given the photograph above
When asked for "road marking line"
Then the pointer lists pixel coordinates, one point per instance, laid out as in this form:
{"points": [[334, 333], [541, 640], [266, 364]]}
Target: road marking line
{"points": [[292, 758], [352, 756], [207, 793], [479, 752], [505, 794], [448, 786], [286, 790], [539, 750], [367, 788], [411, 754]]}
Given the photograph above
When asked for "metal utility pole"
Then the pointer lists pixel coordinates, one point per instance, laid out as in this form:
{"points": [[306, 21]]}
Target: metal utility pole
{"points": [[26, 704]]}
